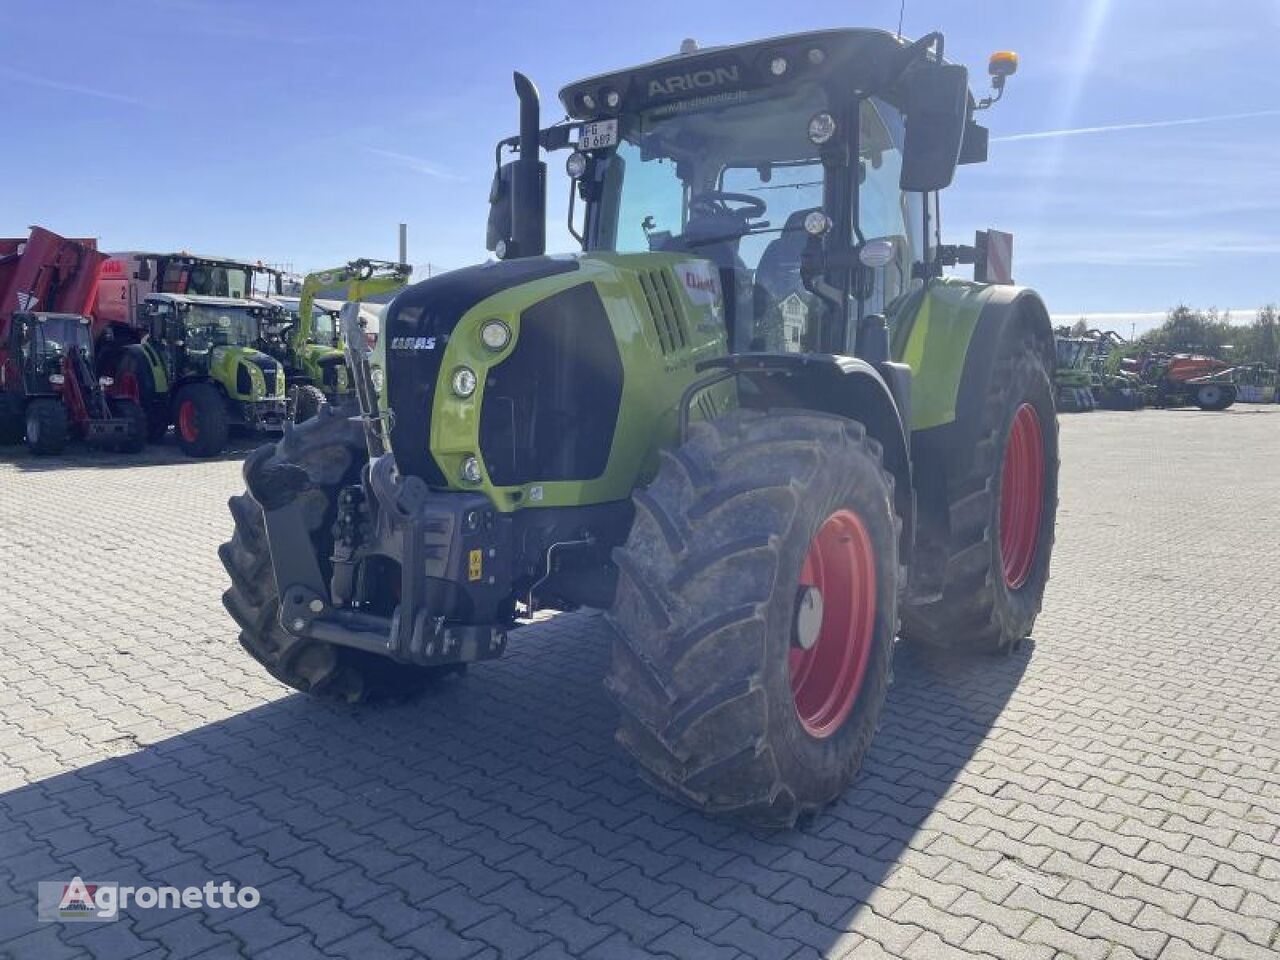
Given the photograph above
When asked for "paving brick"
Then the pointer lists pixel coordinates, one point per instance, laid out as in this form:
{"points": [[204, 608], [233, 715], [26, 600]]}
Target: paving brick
{"points": [[1110, 781]]}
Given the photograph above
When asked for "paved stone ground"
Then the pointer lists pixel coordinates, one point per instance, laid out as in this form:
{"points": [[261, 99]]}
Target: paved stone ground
{"points": [[1109, 791]]}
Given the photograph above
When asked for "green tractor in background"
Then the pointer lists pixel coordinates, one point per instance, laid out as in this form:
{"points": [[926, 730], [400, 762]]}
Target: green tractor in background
{"points": [[750, 418], [307, 341], [203, 367], [1074, 375]]}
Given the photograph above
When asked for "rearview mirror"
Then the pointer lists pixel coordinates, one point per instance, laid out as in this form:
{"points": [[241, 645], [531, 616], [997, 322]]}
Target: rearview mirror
{"points": [[499, 227], [937, 109]]}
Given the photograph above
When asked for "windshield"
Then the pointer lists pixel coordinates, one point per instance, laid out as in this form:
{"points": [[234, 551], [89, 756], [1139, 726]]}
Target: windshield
{"points": [[670, 159], [324, 326], [220, 326], [206, 280], [733, 180], [50, 338]]}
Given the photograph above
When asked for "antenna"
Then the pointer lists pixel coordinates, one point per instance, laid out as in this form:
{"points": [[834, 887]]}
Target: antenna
{"points": [[902, 9]]}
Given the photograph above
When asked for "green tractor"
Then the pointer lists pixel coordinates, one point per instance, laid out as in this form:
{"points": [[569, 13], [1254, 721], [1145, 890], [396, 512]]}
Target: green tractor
{"points": [[1074, 378], [203, 367], [750, 418], [307, 342]]}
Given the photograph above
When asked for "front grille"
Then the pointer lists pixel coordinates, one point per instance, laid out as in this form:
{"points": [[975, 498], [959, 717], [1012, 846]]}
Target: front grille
{"points": [[417, 327], [551, 408], [663, 308]]}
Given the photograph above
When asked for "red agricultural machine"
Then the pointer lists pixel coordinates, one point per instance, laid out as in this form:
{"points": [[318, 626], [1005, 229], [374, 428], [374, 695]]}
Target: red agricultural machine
{"points": [[1184, 379], [49, 387]]}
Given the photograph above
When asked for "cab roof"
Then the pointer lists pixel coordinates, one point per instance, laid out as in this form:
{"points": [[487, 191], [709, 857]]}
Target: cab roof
{"points": [[867, 59], [206, 301], [195, 258]]}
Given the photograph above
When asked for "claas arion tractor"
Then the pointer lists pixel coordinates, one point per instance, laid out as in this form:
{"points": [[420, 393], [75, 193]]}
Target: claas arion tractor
{"points": [[750, 418]]}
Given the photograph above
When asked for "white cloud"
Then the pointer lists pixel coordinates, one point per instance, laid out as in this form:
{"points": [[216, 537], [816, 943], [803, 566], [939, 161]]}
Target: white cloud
{"points": [[1137, 125], [21, 76], [416, 164]]}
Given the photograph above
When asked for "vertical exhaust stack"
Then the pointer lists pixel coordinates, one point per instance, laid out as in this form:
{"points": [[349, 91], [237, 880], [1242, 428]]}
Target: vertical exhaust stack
{"points": [[529, 184]]}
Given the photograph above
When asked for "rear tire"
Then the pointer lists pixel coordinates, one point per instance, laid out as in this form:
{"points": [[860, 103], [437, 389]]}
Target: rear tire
{"points": [[135, 378], [47, 427], [994, 583], [307, 401], [332, 451], [721, 705], [201, 415], [136, 438]]}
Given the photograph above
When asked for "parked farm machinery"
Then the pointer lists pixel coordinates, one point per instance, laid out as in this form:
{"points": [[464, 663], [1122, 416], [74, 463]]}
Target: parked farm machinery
{"points": [[50, 390]]}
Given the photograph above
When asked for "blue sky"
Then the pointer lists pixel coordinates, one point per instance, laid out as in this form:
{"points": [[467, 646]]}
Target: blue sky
{"points": [[303, 132]]}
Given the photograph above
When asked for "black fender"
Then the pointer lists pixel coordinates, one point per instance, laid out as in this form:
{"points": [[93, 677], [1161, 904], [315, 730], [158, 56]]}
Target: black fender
{"points": [[877, 397]]}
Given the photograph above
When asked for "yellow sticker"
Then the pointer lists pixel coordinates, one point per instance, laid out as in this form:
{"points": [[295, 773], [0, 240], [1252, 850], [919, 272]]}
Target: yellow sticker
{"points": [[475, 565]]}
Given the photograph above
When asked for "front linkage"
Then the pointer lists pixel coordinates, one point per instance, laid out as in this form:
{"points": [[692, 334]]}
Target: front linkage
{"points": [[434, 540]]}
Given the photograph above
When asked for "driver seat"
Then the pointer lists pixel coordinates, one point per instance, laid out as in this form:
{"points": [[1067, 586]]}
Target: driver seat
{"points": [[777, 277]]}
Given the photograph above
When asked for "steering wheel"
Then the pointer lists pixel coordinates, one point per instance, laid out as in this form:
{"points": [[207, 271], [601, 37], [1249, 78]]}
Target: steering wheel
{"points": [[714, 202]]}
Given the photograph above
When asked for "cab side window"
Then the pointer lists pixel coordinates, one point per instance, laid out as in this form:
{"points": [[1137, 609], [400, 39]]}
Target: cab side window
{"points": [[883, 210]]}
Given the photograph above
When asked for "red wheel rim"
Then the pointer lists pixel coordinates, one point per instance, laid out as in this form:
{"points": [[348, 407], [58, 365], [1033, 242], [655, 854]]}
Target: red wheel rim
{"points": [[826, 678], [129, 387], [1021, 495], [188, 424]]}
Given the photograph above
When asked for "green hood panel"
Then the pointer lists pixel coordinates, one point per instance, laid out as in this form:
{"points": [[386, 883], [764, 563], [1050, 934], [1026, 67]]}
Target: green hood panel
{"points": [[665, 313], [224, 366]]}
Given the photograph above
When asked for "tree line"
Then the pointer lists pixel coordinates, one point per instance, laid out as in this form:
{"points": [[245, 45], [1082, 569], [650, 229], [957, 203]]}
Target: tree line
{"points": [[1187, 330]]}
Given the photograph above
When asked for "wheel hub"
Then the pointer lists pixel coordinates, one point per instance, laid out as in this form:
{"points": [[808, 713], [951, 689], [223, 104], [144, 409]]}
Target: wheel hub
{"points": [[1021, 495], [808, 625], [834, 623], [188, 424]]}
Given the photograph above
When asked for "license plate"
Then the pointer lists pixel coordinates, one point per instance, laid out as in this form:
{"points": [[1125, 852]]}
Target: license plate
{"points": [[602, 133]]}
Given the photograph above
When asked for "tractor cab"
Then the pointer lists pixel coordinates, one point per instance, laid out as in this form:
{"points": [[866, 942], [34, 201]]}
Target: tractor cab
{"points": [[790, 164], [49, 347], [199, 325]]}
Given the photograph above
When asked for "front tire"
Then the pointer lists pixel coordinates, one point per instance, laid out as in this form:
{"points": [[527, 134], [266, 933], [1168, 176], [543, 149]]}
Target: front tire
{"points": [[202, 422], [13, 422], [740, 690], [1002, 515], [47, 427], [332, 451]]}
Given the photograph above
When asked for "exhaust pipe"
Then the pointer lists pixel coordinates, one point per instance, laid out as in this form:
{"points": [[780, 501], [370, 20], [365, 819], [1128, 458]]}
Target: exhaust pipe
{"points": [[529, 183]]}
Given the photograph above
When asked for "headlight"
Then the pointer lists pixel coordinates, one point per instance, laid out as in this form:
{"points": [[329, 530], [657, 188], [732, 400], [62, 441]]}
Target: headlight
{"points": [[822, 127], [576, 165], [612, 99], [378, 377], [500, 248], [816, 223], [471, 470], [495, 335], [778, 66], [464, 382]]}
